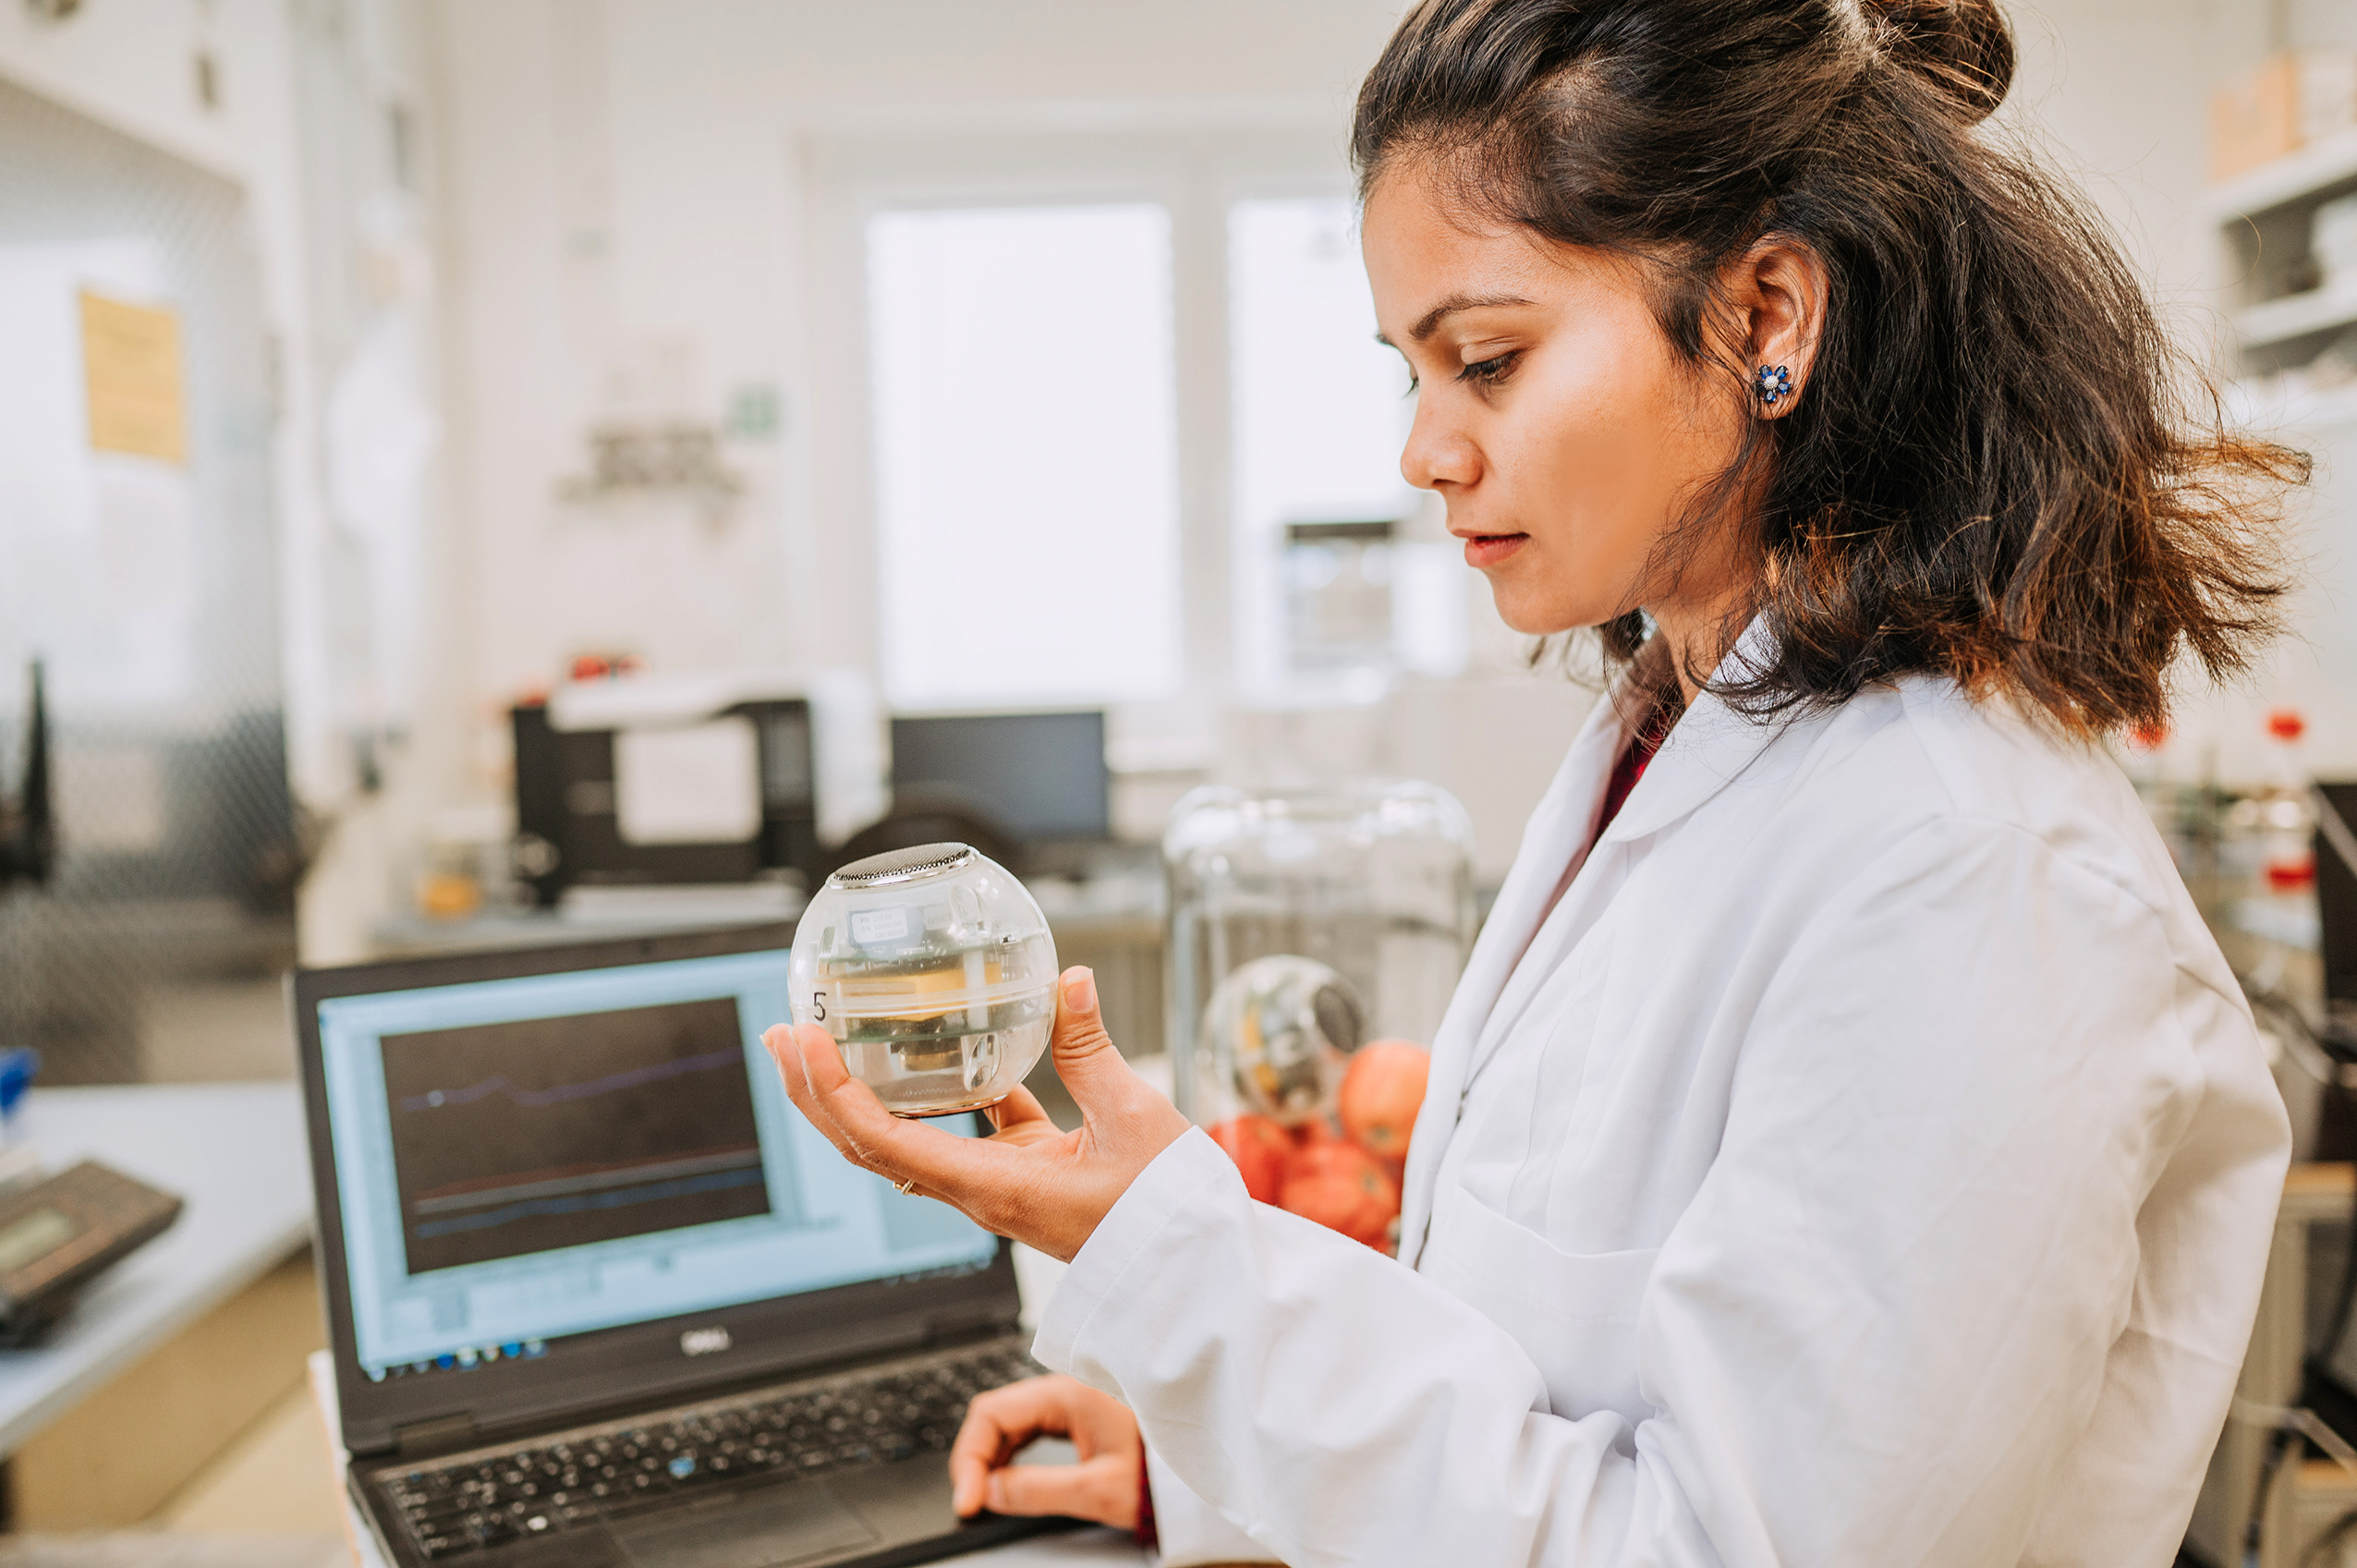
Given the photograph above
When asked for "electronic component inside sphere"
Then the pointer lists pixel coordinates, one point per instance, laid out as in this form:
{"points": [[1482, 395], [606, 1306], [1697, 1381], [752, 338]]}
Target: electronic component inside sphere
{"points": [[1282, 1028], [933, 969]]}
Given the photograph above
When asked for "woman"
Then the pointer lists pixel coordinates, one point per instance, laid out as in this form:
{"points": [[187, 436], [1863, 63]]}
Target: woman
{"points": [[1846, 1144]]}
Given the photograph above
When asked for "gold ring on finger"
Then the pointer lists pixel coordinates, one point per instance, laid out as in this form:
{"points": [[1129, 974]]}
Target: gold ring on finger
{"points": [[905, 1189]]}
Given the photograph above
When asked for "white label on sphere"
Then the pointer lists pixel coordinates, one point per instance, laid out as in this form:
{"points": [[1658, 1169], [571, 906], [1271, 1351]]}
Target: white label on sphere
{"points": [[868, 926]]}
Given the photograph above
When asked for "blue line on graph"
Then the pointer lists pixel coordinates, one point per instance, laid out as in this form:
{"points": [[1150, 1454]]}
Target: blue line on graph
{"points": [[539, 1207], [497, 1083]]}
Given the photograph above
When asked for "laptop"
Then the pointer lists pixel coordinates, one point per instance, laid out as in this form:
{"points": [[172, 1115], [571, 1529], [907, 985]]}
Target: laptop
{"points": [[598, 1294]]}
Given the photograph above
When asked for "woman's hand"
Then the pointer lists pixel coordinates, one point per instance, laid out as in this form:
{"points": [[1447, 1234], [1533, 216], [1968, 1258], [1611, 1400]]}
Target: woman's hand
{"points": [[1043, 1187], [1102, 1487]]}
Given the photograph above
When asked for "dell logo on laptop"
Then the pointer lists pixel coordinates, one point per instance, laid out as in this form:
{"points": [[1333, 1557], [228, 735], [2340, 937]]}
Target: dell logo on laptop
{"points": [[704, 1341]]}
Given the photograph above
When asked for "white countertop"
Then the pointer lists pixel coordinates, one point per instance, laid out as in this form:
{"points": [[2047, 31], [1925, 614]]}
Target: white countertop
{"points": [[235, 1155]]}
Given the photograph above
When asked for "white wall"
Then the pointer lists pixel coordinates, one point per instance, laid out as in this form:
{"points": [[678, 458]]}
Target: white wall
{"points": [[638, 178], [631, 175], [130, 63], [300, 122]]}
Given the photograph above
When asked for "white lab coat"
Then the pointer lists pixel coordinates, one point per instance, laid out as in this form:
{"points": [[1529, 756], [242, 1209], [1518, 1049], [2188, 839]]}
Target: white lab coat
{"points": [[1870, 1161]]}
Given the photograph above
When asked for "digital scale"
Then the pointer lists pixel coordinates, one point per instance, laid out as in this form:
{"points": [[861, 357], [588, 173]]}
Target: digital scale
{"points": [[57, 1232]]}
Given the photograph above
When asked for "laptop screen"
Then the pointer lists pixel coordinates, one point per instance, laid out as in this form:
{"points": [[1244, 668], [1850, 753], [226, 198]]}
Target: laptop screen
{"points": [[524, 1159]]}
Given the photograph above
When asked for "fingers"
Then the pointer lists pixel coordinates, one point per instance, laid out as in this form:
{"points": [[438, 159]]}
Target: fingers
{"points": [[838, 1104], [1104, 1490], [1021, 1121], [997, 1422], [964, 1173], [1084, 1052], [1020, 1106]]}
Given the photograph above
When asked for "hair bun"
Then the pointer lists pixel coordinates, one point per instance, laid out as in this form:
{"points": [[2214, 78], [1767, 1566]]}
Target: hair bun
{"points": [[1963, 47]]}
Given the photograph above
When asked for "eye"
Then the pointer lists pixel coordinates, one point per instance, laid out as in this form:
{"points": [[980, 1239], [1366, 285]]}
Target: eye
{"points": [[1488, 373]]}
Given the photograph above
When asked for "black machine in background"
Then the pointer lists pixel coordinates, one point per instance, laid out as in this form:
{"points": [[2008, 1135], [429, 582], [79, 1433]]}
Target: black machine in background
{"points": [[570, 834], [2337, 896], [59, 1232], [28, 832]]}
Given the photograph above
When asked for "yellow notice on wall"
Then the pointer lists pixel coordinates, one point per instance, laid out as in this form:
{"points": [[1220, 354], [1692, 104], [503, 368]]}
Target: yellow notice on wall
{"points": [[131, 367]]}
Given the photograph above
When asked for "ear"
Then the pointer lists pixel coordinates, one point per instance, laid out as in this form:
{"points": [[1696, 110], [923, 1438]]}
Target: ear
{"points": [[1777, 291]]}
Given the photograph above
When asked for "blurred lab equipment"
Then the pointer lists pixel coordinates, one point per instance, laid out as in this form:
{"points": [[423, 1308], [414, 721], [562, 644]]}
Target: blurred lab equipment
{"points": [[27, 834], [666, 781], [1276, 1036], [2267, 848], [934, 971], [1338, 595], [2336, 885], [1038, 778], [1372, 878], [57, 1233]]}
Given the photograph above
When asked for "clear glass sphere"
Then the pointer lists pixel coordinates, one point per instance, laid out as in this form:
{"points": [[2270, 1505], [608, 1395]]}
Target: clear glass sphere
{"points": [[933, 969], [1276, 1038]]}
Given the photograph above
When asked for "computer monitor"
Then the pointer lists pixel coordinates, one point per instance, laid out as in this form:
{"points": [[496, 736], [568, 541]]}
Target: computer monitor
{"points": [[1043, 775]]}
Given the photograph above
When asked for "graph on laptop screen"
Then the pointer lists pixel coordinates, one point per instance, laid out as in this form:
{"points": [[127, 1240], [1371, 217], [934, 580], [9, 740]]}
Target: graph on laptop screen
{"points": [[520, 1160]]}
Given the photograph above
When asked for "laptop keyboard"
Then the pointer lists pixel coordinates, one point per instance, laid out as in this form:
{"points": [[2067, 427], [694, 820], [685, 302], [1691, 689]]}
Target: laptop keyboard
{"points": [[487, 1498]]}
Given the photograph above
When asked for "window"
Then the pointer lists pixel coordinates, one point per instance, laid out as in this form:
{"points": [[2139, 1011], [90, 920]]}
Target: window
{"points": [[1026, 442], [1320, 413]]}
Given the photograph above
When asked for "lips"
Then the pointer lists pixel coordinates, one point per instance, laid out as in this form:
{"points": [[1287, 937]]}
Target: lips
{"points": [[1488, 549]]}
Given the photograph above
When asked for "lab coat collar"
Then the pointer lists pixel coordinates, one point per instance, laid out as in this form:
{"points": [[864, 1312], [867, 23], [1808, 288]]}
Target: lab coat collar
{"points": [[1707, 749]]}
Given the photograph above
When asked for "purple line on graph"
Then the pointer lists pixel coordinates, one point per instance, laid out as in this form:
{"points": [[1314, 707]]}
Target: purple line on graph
{"points": [[497, 1083]]}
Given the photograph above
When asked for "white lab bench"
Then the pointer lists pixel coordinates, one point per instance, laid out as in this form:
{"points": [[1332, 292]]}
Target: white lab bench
{"points": [[234, 1153]]}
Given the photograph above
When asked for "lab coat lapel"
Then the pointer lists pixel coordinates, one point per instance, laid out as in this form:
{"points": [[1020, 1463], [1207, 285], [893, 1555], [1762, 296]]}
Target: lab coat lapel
{"points": [[1708, 748], [1561, 823]]}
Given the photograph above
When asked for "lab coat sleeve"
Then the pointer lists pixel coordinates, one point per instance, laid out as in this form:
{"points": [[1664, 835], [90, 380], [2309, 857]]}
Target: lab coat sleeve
{"points": [[1873, 1338], [1188, 1531]]}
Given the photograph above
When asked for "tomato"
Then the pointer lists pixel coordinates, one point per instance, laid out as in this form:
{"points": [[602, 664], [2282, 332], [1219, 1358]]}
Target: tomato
{"points": [[1259, 1147], [1343, 1189], [1317, 1130], [1381, 1092]]}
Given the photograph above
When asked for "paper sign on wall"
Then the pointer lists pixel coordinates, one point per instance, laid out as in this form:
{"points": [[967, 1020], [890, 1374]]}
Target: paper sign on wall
{"points": [[131, 369], [696, 784]]}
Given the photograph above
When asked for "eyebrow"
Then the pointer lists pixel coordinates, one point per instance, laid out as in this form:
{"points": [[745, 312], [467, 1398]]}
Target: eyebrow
{"points": [[1431, 321]]}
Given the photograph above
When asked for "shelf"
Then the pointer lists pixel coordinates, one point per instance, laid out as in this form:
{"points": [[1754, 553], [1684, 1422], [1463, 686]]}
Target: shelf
{"points": [[2264, 408], [2312, 169], [2297, 315]]}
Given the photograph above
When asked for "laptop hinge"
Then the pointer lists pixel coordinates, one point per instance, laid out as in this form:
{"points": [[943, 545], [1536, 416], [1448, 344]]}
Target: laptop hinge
{"points": [[441, 1434], [957, 1324]]}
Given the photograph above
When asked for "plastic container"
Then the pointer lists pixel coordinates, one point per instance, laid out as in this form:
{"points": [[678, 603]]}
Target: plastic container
{"points": [[1371, 879], [933, 969]]}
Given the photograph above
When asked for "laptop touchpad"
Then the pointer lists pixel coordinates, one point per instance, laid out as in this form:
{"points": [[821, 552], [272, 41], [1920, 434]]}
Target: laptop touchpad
{"points": [[769, 1529]]}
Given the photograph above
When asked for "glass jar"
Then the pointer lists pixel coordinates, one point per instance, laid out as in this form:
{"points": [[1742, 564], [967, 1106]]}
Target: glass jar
{"points": [[933, 969], [1372, 879]]}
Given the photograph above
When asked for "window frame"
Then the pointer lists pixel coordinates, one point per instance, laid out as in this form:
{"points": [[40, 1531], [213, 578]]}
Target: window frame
{"points": [[1197, 167]]}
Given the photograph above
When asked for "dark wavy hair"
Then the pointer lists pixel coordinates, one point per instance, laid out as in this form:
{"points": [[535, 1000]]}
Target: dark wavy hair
{"points": [[1999, 468]]}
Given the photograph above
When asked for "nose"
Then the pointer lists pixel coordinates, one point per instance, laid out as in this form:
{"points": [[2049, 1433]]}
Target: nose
{"points": [[1437, 454]]}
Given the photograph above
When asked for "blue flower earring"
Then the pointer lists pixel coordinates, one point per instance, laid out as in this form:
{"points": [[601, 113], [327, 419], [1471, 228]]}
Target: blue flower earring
{"points": [[1775, 384]]}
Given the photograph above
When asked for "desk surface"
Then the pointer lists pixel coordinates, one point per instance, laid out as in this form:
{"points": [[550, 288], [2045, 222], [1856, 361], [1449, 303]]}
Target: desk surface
{"points": [[1081, 1549], [234, 1152]]}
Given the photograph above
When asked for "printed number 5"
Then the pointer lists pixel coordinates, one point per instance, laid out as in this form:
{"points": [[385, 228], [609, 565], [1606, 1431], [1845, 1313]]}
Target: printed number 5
{"points": [[818, 1006]]}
